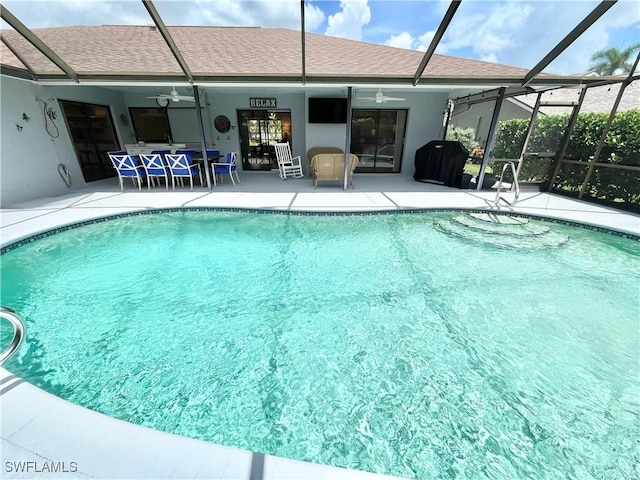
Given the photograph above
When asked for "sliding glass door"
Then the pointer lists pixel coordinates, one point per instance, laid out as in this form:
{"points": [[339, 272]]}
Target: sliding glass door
{"points": [[377, 138], [260, 130]]}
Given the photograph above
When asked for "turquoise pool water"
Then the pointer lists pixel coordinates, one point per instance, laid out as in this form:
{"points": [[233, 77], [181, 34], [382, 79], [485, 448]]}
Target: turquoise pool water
{"points": [[434, 345]]}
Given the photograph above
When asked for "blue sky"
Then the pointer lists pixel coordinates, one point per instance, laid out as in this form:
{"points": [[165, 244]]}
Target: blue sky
{"points": [[512, 32]]}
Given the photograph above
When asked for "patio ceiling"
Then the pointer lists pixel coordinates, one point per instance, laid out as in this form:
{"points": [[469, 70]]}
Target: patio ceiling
{"points": [[182, 62]]}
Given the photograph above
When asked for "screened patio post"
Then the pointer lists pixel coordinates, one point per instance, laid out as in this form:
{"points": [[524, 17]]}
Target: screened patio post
{"points": [[532, 122], [490, 137], [347, 147], [557, 161], [303, 47], [203, 140]]}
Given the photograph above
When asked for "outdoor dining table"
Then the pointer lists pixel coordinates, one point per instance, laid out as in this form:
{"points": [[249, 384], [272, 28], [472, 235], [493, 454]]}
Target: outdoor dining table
{"points": [[212, 156]]}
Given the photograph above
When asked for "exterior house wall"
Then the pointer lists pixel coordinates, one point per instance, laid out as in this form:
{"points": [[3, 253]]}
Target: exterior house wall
{"points": [[424, 123], [29, 158], [478, 117]]}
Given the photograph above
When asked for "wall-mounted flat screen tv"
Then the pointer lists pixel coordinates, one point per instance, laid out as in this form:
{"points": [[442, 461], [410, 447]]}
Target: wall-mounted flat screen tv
{"points": [[327, 110]]}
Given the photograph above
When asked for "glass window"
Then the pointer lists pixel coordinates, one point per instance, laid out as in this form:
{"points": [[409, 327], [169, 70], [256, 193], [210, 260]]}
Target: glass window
{"points": [[151, 125], [93, 135]]}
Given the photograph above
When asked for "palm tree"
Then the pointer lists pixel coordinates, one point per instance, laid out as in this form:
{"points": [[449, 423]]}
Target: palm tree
{"points": [[613, 61]]}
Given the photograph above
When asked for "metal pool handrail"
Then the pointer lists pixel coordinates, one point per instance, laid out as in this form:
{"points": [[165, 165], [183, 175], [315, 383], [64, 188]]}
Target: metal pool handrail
{"points": [[18, 335], [515, 184]]}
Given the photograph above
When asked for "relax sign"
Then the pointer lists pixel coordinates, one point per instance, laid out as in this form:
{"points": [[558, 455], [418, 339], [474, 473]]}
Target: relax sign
{"points": [[263, 103]]}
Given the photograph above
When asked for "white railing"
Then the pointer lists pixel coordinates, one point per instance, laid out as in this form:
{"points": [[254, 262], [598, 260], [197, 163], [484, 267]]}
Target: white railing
{"points": [[18, 333], [516, 185]]}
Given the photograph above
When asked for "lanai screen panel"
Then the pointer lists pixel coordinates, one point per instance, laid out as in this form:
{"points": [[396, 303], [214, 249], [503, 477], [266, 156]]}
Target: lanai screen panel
{"points": [[523, 33], [611, 34], [615, 177], [264, 40], [116, 49]]}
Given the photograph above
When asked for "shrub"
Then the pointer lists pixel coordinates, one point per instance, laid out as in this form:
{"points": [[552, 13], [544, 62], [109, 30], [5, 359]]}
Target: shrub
{"points": [[621, 146], [466, 136]]}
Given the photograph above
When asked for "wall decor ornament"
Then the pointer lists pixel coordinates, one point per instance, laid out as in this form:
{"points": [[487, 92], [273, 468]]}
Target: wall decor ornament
{"points": [[222, 123]]}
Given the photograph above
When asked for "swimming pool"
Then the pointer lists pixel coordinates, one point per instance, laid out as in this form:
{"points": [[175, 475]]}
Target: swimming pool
{"points": [[420, 345]]}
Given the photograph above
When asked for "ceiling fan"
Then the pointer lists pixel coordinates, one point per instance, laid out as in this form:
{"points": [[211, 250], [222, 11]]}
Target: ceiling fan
{"points": [[382, 98], [173, 96]]}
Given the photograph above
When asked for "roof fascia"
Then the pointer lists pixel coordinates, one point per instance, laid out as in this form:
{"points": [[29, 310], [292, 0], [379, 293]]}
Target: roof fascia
{"points": [[589, 20], [155, 16], [446, 20], [31, 37], [14, 72]]}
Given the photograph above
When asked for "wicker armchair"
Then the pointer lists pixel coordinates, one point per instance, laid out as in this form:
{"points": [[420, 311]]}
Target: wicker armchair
{"points": [[330, 167]]}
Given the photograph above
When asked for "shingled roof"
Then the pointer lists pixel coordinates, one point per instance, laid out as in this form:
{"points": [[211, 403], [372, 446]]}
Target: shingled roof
{"points": [[232, 52]]}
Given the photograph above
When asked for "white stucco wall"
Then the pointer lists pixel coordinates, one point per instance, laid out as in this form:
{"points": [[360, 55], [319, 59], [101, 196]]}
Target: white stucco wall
{"points": [[481, 113], [29, 158], [424, 123]]}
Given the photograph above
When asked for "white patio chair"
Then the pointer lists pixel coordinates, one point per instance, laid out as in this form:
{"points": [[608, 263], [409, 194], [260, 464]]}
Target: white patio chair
{"points": [[230, 166], [154, 165], [181, 166], [287, 165], [127, 166]]}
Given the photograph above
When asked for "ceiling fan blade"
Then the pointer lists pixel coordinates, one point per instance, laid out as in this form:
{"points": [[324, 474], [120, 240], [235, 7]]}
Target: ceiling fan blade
{"points": [[365, 98], [384, 99], [184, 97]]}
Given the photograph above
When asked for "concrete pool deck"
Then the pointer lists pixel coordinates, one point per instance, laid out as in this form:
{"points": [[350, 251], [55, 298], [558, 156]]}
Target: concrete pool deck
{"points": [[52, 433]]}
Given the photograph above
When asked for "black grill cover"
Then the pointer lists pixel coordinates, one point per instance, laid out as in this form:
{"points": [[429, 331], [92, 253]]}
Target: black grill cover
{"points": [[441, 161]]}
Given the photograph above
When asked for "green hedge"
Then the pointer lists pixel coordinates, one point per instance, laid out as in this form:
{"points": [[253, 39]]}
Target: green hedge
{"points": [[622, 146]]}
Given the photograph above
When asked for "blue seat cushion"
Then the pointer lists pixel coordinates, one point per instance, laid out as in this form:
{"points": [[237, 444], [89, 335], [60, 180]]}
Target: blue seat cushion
{"points": [[184, 171], [224, 168], [132, 173]]}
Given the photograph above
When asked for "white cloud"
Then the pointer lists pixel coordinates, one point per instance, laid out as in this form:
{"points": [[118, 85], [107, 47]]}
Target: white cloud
{"points": [[424, 41], [489, 30], [348, 22], [50, 13], [281, 13], [490, 57], [404, 40], [420, 43]]}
